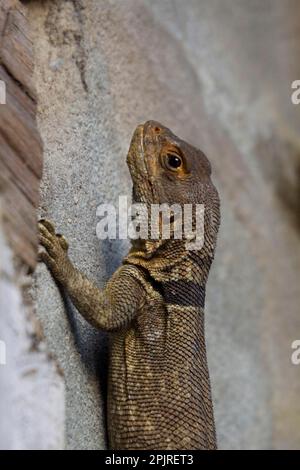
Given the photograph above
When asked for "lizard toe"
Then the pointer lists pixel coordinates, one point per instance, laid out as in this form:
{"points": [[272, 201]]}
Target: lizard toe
{"points": [[43, 230], [48, 224], [62, 241]]}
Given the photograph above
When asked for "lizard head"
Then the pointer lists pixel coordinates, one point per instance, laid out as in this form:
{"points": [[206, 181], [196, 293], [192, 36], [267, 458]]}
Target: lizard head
{"points": [[166, 169]]}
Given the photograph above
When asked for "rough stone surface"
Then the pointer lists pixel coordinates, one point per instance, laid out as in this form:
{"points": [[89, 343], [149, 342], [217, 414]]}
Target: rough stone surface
{"points": [[218, 74], [31, 386]]}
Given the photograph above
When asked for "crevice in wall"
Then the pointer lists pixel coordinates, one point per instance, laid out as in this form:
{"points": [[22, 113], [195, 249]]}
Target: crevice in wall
{"points": [[64, 26]]}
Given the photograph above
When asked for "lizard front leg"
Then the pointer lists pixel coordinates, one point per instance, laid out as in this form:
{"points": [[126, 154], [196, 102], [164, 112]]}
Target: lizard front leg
{"points": [[109, 309]]}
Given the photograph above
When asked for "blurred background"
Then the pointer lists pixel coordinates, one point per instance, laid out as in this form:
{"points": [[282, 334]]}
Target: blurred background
{"points": [[219, 74]]}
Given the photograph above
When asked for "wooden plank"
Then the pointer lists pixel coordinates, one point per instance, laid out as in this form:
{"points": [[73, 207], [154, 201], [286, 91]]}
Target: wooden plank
{"points": [[16, 53], [19, 173], [19, 216], [16, 203], [14, 88], [20, 142], [24, 250], [5, 6], [18, 127]]}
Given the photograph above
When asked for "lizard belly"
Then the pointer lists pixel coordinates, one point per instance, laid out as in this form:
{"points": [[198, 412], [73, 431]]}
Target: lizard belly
{"points": [[159, 391]]}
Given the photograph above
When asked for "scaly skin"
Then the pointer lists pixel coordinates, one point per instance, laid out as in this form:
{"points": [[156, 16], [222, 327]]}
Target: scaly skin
{"points": [[159, 391]]}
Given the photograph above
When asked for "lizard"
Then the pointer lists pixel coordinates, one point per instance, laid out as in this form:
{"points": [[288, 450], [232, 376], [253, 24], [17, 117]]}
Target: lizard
{"points": [[159, 394]]}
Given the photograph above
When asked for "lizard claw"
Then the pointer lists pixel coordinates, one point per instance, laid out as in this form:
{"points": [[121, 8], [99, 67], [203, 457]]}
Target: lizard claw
{"points": [[49, 225], [47, 234], [55, 247], [63, 241]]}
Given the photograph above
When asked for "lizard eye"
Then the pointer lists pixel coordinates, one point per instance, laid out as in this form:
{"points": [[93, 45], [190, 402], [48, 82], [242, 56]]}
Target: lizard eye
{"points": [[173, 161]]}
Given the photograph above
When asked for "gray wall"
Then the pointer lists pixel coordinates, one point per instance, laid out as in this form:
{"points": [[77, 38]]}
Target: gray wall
{"points": [[219, 75]]}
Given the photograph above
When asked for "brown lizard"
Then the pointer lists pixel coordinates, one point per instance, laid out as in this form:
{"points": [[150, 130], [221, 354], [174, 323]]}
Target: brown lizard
{"points": [[159, 393]]}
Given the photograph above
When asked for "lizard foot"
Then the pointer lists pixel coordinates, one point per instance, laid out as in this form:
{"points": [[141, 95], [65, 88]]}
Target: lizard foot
{"points": [[55, 250]]}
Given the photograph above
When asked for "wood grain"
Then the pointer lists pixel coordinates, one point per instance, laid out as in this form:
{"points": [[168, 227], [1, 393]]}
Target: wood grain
{"points": [[20, 142], [16, 50]]}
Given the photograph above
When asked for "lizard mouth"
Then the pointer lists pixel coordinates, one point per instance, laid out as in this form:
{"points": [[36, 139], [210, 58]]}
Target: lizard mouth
{"points": [[136, 161], [142, 160], [136, 155]]}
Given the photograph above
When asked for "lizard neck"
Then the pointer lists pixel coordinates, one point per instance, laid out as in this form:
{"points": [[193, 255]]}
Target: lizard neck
{"points": [[171, 262]]}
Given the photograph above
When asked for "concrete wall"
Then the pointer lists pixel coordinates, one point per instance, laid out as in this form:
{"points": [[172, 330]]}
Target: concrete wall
{"points": [[218, 74]]}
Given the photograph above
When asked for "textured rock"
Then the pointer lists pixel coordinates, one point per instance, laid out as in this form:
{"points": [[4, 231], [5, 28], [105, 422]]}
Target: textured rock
{"points": [[219, 74]]}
